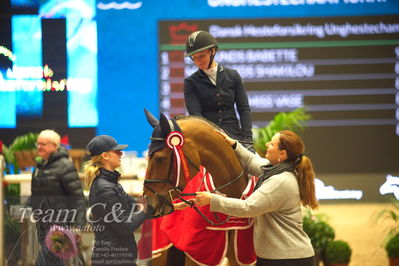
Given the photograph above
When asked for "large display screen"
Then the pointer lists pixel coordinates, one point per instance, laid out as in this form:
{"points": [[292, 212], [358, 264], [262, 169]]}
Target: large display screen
{"points": [[48, 67], [343, 70]]}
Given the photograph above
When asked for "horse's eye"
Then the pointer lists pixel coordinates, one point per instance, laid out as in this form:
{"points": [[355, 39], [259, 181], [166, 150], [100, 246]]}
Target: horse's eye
{"points": [[160, 159]]}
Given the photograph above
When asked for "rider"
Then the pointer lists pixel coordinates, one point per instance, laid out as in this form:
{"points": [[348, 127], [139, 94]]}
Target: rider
{"points": [[214, 91]]}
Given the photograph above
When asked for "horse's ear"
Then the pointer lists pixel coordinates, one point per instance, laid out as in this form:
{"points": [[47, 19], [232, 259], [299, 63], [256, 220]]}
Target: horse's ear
{"points": [[165, 127], [150, 118]]}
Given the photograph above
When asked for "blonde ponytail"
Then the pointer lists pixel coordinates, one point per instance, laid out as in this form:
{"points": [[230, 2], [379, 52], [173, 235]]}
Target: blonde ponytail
{"points": [[92, 169]]}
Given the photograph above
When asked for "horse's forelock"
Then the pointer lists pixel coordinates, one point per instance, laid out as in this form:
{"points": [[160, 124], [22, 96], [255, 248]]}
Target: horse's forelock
{"points": [[162, 131]]}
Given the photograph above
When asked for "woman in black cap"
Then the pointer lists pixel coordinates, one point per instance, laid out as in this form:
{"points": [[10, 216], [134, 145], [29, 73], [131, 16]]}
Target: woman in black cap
{"points": [[114, 214], [213, 90]]}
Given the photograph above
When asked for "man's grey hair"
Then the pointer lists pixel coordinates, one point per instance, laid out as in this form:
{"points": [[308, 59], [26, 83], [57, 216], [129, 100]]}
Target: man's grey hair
{"points": [[51, 135]]}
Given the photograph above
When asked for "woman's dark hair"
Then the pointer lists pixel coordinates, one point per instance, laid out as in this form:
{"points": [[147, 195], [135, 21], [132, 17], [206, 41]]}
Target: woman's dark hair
{"points": [[294, 146]]}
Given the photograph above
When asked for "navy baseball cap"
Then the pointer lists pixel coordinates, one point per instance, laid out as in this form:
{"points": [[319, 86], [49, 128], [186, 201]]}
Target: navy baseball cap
{"points": [[103, 143]]}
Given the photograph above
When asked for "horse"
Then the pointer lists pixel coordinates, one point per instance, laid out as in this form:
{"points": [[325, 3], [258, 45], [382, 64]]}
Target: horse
{"points": [[177, 150]]}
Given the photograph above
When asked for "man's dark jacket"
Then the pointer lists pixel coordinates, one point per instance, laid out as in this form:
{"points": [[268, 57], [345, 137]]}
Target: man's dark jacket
{"points": [[56, 186]]}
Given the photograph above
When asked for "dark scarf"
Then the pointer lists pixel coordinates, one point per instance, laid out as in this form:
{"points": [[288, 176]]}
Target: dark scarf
{"points": [[270, 170]]}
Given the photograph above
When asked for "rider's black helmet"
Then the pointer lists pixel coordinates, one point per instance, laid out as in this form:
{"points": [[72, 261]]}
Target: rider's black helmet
{"points": [[199, 41]]}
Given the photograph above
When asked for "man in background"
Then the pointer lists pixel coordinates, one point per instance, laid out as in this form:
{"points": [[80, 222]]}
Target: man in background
{"points": [[57, 194]]}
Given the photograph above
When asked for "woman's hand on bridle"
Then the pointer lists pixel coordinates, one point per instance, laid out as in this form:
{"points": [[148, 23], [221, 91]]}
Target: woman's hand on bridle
{"points": [[179, 206], [229, 140], [202, 198], [144, 202]]}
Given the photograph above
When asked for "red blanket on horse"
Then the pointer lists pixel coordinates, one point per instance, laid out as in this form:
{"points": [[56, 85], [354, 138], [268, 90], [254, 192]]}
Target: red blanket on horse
{"points": [[204, 243]]}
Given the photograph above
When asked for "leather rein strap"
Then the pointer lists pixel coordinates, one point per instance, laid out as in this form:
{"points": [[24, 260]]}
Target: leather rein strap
{"points": [[213, 191]]}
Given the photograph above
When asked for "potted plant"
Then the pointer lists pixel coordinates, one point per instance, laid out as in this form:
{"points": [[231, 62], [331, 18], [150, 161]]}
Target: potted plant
{"points": [[337, 253], [392, 240], [294, 120], [319, 232], [21, 153], [392, 248]]}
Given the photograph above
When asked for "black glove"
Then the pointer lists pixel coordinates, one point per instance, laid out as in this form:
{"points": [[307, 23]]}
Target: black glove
{"points": [[150, 211]]}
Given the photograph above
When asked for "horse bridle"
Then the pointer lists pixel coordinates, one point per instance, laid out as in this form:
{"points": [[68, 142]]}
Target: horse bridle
{"points": [[163, 200]]}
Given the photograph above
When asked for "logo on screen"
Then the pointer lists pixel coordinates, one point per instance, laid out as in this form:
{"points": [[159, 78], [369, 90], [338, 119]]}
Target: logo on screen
{"points": [[179, 33], [391, 185]]}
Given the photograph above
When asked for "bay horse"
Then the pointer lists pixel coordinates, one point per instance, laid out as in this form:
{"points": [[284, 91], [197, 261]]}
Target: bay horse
{"points": [[198, 143]]}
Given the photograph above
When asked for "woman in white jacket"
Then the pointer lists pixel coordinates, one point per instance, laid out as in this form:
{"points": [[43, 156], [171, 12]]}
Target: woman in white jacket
{"points": [[286, 180]]}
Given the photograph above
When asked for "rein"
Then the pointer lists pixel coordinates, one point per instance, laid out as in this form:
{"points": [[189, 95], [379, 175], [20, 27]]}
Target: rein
{"points": [[213, 191], [218, 188]]}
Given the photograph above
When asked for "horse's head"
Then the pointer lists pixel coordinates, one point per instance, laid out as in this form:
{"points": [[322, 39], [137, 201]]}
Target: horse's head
{"points": [[170, 150], [164, 179]]}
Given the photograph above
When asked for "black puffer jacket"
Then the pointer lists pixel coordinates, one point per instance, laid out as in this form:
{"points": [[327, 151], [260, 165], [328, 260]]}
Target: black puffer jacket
{"points": [[115, 216], [56, 185]]}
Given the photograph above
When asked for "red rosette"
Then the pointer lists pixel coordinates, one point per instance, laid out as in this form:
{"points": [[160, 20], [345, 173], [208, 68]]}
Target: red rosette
{"points": [[175, 139]]}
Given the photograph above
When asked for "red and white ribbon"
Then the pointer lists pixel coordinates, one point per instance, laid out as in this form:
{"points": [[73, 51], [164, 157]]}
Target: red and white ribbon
{"points": [[175, 141]]}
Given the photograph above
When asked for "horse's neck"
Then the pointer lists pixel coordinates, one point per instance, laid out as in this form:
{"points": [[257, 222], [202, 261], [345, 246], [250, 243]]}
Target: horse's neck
{"points": [[233, 186], [215, 155], [224, 167]]}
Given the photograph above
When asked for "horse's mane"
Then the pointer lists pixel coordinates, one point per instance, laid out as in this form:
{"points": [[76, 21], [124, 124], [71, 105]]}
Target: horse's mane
{"points": [[188, 117]]}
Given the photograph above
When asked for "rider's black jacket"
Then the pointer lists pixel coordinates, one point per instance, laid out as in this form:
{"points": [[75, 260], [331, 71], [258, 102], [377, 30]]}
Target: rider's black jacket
{"points": [[217, 102]]}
